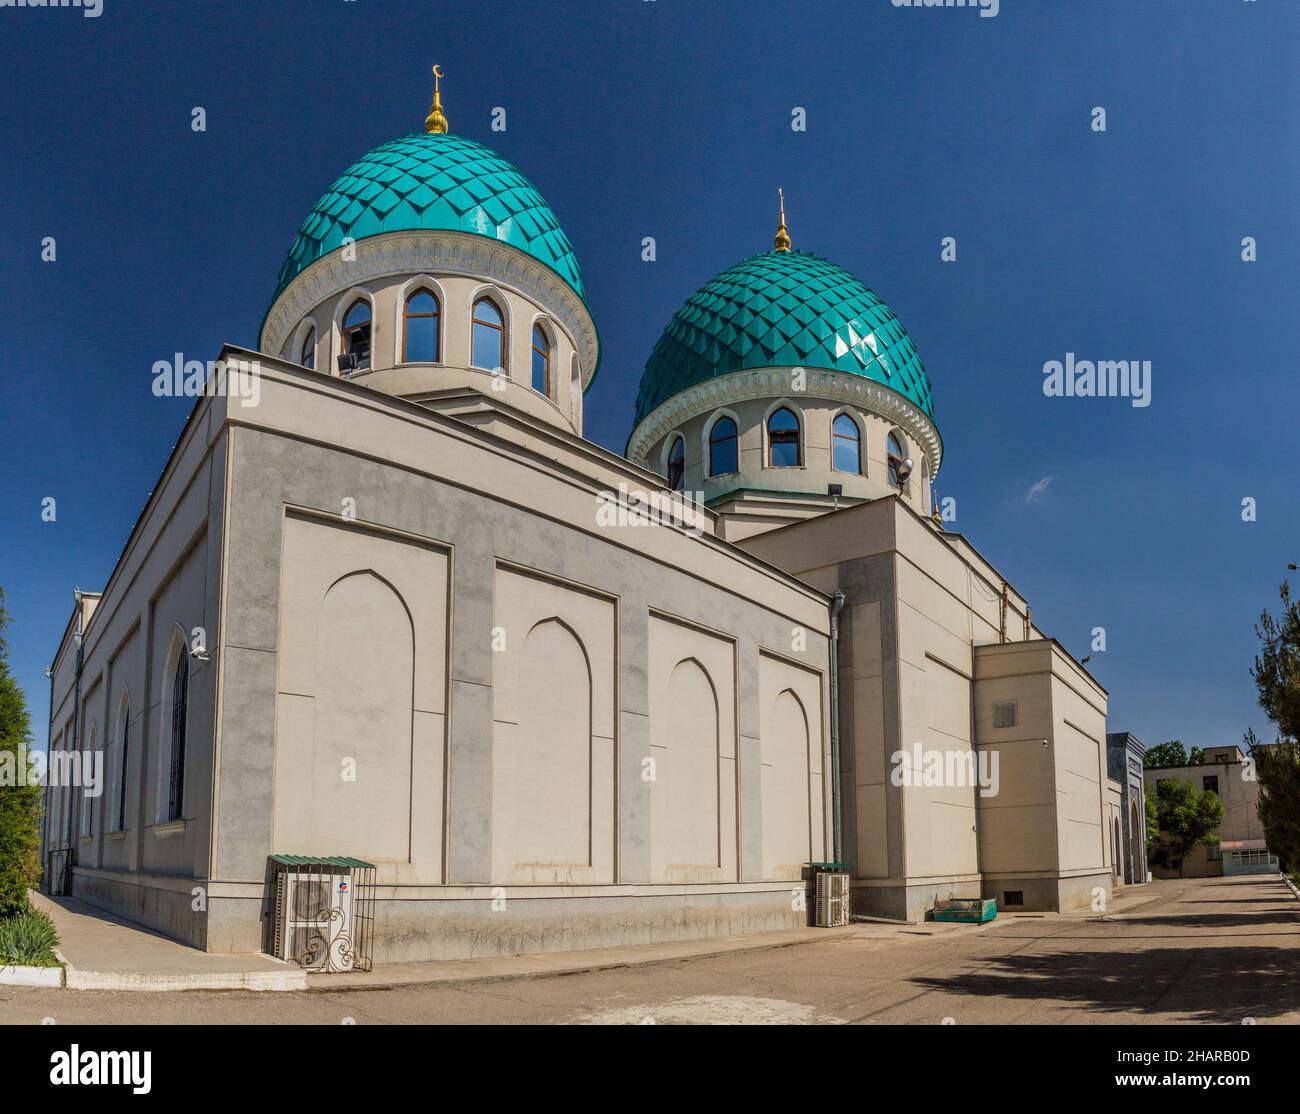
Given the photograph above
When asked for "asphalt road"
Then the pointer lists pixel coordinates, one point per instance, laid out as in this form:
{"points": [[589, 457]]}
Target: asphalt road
{"points": [[1211, 950]]}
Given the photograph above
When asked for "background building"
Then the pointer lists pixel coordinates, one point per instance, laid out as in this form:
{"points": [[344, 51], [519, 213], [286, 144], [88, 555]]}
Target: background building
{"points": [[1241, 847]]}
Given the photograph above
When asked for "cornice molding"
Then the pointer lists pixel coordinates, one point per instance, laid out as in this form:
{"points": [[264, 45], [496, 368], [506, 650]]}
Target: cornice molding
{"points": [[773, 383], [434, 252]]}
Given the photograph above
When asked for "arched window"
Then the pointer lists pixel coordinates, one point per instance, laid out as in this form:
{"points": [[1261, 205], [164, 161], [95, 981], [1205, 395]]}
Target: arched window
{"points": [[677, 463], [180, 699], [894, 454], [356, 335], [783, 447], [489, 336], [123, 752], [541, 362], [420, 328], [722, 447], [846, 445], [307, 355]]}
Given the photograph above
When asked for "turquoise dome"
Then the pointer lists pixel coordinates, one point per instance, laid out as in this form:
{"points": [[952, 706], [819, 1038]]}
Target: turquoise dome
{"points": [[426, 182], [779, 309]]}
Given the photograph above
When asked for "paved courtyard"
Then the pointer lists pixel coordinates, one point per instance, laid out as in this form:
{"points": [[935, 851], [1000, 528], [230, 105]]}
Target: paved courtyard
{"points": [[1210, 950]]}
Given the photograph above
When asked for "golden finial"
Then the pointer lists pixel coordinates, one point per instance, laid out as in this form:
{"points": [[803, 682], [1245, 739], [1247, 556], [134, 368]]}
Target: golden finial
{"points": [[934, 502], [436, 123], [782, 241]]}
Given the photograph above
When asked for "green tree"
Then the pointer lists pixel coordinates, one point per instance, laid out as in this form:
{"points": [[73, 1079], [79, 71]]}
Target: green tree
{"points": [[20, 805], [1152, 819], [1171, 753], [1185, 817], [1277, 766]]}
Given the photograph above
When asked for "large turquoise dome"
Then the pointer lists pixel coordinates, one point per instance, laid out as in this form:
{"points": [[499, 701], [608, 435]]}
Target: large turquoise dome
{"points": [[779, 309], [427, 182]]}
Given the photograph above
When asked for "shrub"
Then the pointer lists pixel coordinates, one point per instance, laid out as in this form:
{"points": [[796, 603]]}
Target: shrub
{"points": [[28, 939]]}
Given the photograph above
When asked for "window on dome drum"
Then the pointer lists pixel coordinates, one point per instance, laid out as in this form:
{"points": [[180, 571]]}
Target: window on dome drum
{"points": [[677, 464], [356, 333], [420, 328], [180, 699], [489, 336], [783, 447], [541, 362], [722, 447], [307, 357], [894, 453], [846, 445]]}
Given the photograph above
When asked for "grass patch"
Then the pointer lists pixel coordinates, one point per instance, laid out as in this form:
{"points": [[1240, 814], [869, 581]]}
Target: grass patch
{"points": [[28, 939]]}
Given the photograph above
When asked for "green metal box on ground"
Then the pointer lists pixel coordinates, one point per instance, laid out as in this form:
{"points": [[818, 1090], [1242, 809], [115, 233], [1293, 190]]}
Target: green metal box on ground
{"points": [[972, 910]]}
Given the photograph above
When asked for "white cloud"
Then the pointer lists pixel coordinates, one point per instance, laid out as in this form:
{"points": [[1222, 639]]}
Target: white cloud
{"points": [[1035, 494]]}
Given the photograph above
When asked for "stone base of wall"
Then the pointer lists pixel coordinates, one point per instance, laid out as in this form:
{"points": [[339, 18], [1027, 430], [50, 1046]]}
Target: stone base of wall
{"points": [[1047, 893], [160, 902], [901, 901], [464, 925]]}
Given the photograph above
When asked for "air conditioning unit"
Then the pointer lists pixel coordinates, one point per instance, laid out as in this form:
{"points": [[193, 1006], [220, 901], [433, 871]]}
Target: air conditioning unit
{"points": [[313, 920], [831, 899]]}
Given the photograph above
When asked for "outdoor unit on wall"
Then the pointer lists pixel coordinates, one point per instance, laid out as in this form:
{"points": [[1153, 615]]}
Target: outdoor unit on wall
{"points": [[831, 899], [322, 912]]}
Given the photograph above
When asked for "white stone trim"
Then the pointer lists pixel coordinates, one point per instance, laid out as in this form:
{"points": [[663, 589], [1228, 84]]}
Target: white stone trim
{"points": [[774, 383], [441, 252]]}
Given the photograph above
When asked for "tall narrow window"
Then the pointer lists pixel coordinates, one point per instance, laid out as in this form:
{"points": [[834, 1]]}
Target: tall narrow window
{"points": [[677, 464], [783, 448], [541, 362], [123, 752], [420, 329], [87, 801], [307, 356], [846, 445], [356, 334], [722, 447], [894, 452], [489, 336], [180, 696]]}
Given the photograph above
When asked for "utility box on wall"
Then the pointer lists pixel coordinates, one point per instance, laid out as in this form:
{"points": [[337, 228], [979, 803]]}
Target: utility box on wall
{"points": [[322, 912]]}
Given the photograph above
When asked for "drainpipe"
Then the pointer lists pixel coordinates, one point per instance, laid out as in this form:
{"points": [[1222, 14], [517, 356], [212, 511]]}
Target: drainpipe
{"points": [[45, 819], [837, 835], [76, 728]]}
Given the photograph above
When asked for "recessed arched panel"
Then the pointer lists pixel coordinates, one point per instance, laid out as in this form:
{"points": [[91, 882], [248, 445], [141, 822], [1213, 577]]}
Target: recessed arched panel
{"points": [[785, 789], [361, 768], [685, 791], [543, 818]]}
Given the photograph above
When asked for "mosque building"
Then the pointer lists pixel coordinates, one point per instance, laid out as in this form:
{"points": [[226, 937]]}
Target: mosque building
{"points": [[373, 610]]}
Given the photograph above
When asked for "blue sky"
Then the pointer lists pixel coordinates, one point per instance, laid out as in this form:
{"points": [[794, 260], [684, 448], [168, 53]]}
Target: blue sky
{"points": [[672, 119]]}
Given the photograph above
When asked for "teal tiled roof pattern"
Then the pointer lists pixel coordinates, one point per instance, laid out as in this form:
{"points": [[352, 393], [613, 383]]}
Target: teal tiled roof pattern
{"points": [[426, 182], [778, 309]]}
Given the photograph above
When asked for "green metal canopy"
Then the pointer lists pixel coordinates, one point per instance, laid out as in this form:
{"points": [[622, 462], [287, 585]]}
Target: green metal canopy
{"points": [[779, 309], [434, 181], [321, 860]]}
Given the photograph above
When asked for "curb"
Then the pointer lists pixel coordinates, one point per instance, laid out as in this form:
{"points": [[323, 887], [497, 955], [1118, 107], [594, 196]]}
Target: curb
{"points": [[47, 978]]}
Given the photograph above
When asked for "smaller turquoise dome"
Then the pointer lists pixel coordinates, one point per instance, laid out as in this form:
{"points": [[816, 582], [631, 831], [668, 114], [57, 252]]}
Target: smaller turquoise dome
{"points": [[783, 309], [426, 182]]}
